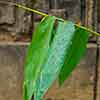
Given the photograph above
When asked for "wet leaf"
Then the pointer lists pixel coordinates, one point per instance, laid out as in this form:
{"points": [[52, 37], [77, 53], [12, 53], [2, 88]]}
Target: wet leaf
{"points": [[55, 60], [54, 53], [36, 55], [75, 53]]}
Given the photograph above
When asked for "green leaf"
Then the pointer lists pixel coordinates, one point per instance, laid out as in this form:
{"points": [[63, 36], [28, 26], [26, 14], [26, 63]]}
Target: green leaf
{"points": [[54, 52], [75, 53], [56, 57], [37, 53]]}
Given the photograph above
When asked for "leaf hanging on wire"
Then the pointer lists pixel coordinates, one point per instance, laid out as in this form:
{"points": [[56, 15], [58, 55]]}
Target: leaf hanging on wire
{"points": [[52, 54], [55, 60], [75, 53], [36, 55]]}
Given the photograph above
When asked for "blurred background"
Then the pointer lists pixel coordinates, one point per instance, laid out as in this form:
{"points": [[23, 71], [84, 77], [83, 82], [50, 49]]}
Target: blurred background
{"points": [[16, 28]]}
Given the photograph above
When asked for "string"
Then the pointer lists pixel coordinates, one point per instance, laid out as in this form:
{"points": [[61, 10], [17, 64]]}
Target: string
{"points": [[44, 14]]}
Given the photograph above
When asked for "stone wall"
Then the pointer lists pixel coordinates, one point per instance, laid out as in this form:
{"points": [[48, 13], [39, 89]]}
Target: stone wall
{"points": [[16, 21], [79, 86]]}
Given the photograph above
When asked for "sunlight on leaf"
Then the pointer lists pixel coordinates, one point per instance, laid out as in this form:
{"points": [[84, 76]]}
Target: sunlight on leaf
{"points": [[55, 50], [36, 55], [75, 52], [55, 60]]}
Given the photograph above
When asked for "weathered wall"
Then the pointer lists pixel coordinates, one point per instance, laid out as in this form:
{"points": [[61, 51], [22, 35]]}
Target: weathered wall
{"points": [[11, 73], [12, 19], [6, 17], [17, 21], [79, 86]]}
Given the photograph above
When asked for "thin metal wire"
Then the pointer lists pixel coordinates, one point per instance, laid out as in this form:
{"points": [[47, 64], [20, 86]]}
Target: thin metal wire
{"points": [[43, 14]]}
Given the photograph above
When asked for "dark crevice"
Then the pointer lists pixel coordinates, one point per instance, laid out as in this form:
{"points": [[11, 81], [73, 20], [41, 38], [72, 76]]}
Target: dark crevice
{"points": [[96, 24], [96, 74], [83, 7]]}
